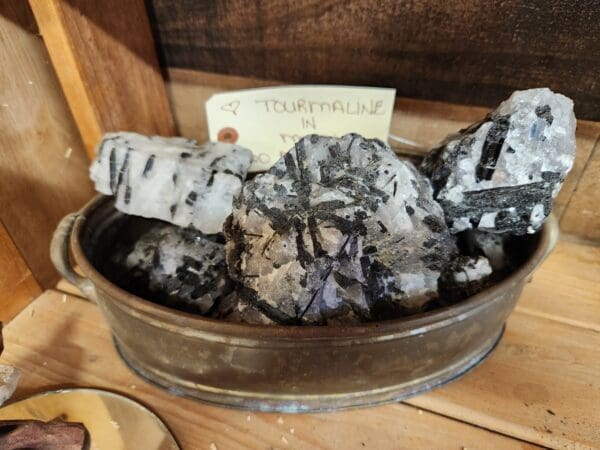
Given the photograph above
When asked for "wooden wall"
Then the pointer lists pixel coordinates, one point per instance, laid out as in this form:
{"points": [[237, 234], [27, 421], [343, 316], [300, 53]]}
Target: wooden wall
{"points": [[105, 59], [43, 165], [464, 51]]}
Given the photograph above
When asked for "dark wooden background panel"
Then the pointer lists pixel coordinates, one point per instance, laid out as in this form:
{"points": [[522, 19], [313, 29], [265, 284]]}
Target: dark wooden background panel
{"points": [[464, 51]]}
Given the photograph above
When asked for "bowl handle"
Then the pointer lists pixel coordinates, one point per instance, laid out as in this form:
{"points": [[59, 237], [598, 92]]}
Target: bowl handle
{"points": [[59, 254]]}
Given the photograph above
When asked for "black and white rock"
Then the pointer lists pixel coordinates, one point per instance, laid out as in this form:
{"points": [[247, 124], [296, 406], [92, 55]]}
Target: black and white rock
{"points": [[494, 247], [501, 174], [338, 230], [178, 267], [172, 179], [462, 277]]}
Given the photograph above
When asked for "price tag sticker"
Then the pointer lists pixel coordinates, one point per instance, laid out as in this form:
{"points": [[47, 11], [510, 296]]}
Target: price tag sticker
{"points": [[269, 121]]}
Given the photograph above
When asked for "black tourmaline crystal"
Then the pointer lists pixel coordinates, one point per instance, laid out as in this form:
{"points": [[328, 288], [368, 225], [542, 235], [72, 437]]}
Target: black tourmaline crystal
{"points": [[338, 230]]}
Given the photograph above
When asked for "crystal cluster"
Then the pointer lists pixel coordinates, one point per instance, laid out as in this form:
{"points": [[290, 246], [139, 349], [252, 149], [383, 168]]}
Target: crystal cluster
{"points": [[178, 267], [502, 173], [339, 229], [172, 179]]}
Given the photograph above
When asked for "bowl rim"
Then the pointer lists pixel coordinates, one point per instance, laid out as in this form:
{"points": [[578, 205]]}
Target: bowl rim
{"points": [[191, 324]]}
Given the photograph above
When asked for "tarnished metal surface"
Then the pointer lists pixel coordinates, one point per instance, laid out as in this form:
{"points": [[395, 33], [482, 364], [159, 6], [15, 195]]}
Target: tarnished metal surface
{"points": [[289, 368]]}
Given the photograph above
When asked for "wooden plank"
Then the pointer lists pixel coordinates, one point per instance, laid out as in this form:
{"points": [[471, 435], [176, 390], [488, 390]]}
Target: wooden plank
{"points": [[585, 172], [68, 288], [542, 384], [463, 51], [73, 347], [566, 287], [104, 56], [582, 216], [43, 165], [189, 90], [419, 120], [18, 287]]}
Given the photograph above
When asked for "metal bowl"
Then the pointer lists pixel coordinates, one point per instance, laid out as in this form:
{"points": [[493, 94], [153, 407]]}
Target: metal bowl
{"points": [[287, 368]]}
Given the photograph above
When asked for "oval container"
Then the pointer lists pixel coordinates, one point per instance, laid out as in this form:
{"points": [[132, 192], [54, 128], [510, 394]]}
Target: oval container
{"points": [[287, 368]]}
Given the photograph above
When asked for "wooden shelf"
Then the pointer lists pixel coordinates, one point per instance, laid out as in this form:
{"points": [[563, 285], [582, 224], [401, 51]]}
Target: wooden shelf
{"points": [[540, 387]]}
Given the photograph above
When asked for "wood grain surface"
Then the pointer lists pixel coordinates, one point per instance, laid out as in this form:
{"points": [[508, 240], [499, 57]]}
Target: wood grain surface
{"points": [[541, 384], [574, 272], [43, 165], [583, 214], [18, 287], [427, 122], [104, 56], [73, 347], [463, 51]]}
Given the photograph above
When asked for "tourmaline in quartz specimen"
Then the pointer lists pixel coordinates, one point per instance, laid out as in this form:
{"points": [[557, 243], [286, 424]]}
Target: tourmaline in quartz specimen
{"points": [[177, 267], [339, 230], [172, 179], [462, 277], [502, 173]]}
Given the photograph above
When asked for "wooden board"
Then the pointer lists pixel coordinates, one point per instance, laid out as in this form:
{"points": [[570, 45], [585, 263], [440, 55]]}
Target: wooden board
{"points": [[542, 384], [462, 51], [73, 347], [573, 271], [43, 165], [18, 287], [104, 56], [422, 121], [583, 213]]}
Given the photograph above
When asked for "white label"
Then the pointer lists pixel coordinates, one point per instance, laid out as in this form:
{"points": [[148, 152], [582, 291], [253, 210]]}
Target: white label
{"points": [[269, 121]]}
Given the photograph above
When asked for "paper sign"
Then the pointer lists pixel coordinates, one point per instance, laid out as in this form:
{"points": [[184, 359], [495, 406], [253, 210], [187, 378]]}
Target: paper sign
{"points": [[269, 121]]}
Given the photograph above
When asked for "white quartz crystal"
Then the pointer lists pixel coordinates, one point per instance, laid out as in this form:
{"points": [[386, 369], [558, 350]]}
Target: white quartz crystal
{"points": [[476, 269], [172, 179], [501, 174], [178, 267]]}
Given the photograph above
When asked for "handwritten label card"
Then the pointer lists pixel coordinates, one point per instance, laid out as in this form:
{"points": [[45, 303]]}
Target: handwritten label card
{"points": [[269, 121]]}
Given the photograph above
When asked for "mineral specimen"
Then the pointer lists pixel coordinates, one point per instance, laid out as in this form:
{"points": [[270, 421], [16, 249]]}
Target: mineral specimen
{"points": [[338, 230], [494, 247], [171, 179], [463, 277], [179, 267], [501, 174]]}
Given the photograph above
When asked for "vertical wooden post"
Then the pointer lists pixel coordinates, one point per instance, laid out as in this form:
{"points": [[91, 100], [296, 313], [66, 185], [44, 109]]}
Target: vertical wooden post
{"points": [[43, 165], [17, 284], [105, 59]]}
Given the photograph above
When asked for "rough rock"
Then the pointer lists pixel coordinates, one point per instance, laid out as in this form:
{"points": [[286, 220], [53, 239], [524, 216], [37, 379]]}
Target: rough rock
{"points": [[494, 248], [338, 230], [234, 309], [172, 179], [9, 378], [178, 267], [463, 277], [502, 173]]}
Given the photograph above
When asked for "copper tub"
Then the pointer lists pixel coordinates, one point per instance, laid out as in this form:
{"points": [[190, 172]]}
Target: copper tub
{"points": [[287, 368]]}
